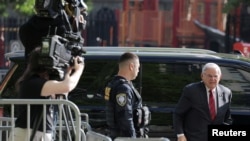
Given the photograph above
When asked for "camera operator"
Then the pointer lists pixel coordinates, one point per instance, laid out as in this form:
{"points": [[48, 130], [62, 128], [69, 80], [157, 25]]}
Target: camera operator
{"points": [[35, 83]]}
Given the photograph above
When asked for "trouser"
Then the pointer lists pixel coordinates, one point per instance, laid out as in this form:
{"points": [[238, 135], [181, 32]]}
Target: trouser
{"points": [[142, 132], [21, 134]]}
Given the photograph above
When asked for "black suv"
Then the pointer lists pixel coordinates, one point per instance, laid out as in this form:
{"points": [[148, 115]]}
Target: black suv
{"points": [[163, 74]]}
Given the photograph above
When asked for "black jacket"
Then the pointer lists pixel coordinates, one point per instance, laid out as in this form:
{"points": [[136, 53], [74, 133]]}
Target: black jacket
{"points": [[192, 116], [121, 100]]}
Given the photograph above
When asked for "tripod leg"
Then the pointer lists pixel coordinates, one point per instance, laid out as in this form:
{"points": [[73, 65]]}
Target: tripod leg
{"points": [[66, 114], [66, 123], [71, 119]]}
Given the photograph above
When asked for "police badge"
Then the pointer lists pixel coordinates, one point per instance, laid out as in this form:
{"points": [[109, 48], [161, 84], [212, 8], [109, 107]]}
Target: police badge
{"points": [[121, 99]]}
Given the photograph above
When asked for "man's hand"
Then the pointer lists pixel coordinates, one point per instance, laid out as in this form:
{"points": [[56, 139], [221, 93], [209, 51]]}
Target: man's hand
{"points": [[181, 138]]}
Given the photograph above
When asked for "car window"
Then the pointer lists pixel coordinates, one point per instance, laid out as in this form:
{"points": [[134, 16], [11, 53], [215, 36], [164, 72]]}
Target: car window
{"points": [[161, 85], [162, 82], [9, 91], [94, 77], [239, 82]]}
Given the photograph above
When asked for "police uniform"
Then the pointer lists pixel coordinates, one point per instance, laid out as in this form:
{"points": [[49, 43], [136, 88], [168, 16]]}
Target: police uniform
{"points": [[121, 100]]}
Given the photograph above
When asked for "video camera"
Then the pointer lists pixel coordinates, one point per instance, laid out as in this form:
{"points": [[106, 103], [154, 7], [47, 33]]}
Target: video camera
{"points": [[57, 51]]}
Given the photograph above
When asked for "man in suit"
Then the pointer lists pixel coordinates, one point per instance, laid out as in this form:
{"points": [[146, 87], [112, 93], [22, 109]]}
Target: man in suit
{"points": [[192, 114]]}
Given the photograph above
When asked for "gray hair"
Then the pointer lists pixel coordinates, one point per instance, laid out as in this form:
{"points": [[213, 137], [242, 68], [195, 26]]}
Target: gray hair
{"points": [[211, 65]]}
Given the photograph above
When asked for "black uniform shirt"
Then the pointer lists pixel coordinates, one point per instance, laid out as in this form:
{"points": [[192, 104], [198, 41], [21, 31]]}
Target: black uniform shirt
{"points": [[122, 100]]}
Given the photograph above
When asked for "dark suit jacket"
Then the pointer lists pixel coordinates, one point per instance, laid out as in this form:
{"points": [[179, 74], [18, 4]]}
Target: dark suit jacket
{"points": [[192, 115]]}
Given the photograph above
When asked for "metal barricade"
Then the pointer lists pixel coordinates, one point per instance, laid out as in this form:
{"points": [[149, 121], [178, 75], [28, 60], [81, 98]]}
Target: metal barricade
{"points": [[141, 139], [7, 124], [94, 136]]}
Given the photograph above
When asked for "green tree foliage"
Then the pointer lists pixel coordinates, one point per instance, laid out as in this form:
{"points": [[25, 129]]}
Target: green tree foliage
{"points": [[232, 4], [2, 9], [23, 7]]}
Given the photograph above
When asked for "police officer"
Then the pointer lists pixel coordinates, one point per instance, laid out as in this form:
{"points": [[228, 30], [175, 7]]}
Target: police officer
{"points": [[122, 99]]}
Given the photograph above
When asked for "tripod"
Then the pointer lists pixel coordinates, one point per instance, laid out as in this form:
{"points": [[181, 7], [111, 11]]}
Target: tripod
{"points": [[67, 116], [62, 111]]}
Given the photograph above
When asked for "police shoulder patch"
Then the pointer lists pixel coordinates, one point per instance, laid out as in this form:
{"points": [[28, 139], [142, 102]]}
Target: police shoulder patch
{"points": [[107, 93], [121, 99]]}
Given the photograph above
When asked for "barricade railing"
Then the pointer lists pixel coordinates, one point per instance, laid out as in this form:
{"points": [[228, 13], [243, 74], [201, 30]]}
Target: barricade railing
{"points": [[5, 127], [7, 124], [141, 139], [94, 136]]}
